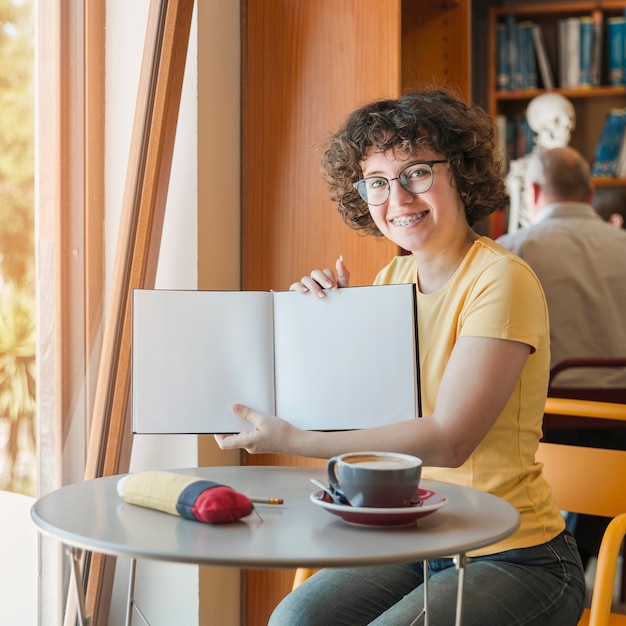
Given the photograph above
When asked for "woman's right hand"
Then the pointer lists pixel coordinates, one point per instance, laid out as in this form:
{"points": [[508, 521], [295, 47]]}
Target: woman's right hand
{"points": [[318, 280]]}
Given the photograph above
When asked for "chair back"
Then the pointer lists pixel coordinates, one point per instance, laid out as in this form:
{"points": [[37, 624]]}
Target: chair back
{"points": [[586, 480], [603, 394], [552, 423]]}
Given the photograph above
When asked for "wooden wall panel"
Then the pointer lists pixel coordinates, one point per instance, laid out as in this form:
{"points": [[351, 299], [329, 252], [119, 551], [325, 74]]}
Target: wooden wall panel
{"points": [[309, 65], [306, 66]]}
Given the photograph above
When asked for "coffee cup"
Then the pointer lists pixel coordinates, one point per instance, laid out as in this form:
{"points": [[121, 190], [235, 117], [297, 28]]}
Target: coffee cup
{"points": [[375, 479]]}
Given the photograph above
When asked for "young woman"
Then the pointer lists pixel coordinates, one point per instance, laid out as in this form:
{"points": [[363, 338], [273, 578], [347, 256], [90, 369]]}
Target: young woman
{"points": [[420, 170]]}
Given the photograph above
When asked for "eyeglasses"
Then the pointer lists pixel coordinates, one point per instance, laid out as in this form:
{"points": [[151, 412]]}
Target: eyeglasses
{"points": [[415, 178]]}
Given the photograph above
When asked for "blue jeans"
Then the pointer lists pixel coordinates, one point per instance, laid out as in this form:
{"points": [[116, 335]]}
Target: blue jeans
{"points": [[541, 585]]}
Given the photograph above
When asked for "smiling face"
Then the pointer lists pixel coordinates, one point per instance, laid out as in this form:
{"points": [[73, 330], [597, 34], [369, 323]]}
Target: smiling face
{"points": [[416, 222]]}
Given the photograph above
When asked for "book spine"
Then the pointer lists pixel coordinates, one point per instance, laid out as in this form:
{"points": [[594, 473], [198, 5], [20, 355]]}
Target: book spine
{"points": [[615, 45], [531, 57], [620, 166], [522, 56], [562, 58], [511, 139], [525, 136], [501, 140], [623, 57], [586, 51], [608, 147], [597, 44], [511, 35], [573, 52], [504, 82], [543, 63]]}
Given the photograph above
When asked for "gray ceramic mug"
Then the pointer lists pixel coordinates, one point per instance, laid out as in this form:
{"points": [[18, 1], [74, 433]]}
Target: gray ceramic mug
{"points": [[375, 479]]}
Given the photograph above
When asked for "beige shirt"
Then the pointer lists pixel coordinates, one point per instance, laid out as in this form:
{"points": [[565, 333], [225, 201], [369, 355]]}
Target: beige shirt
{"points": [[581, 262], [492, 294]]}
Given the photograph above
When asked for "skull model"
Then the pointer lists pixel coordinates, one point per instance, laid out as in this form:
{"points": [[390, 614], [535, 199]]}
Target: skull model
{"points": [[553, 118]]}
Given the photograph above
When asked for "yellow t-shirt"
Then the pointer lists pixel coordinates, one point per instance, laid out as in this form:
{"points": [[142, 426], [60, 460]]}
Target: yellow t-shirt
{"points": [[493, 293]]}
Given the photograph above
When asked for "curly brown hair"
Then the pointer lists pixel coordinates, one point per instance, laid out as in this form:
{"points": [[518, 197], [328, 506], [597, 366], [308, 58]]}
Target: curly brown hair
{"points": [[435, 119]]}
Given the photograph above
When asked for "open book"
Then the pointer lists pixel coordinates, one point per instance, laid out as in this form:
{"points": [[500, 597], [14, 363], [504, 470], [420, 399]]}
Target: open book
{"points": [[346, 361]]}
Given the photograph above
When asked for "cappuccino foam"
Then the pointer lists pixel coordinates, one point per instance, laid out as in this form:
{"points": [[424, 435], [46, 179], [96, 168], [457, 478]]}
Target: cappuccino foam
{"points": [[380, 463]]}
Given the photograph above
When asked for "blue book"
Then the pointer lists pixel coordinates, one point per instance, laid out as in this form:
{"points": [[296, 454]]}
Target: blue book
{"points": [[608, 147], [615, 48], [530, 59], [504, 80], [513, 62], [586, 51], [597, 46], [522, 56], [521, 72]]}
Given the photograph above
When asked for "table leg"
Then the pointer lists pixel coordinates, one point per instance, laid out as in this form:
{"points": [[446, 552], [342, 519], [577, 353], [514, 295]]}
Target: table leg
{"points": [[460, 561], [131, 592], [131, 607], [424, 611], [75, 555]]}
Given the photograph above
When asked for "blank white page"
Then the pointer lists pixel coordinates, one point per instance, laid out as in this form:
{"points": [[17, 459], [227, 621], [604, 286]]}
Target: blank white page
{"points": [[196, 352], [348, 360]]}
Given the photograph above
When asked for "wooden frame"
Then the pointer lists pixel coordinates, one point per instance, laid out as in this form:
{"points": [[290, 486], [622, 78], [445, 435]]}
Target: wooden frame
{"points": [[143, 211], [69, 248]]}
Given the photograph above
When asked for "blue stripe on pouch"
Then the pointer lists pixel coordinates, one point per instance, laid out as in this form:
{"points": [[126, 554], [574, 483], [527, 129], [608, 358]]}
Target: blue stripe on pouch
{"points": [[189, 495]]}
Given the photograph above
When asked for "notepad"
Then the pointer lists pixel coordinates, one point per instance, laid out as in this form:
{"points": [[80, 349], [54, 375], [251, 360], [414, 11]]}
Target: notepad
{"points": [[346, 361]]}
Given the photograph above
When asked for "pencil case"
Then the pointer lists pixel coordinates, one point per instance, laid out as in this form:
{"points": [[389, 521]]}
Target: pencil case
{"points": [[185, 496]]}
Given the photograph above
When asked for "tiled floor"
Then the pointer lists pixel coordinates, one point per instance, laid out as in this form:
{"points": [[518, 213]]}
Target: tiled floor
{"points": [[618, 607]]}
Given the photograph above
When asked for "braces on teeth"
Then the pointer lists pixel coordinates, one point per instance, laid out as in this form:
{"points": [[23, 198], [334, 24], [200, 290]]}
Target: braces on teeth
{"points": [[405, 221]]}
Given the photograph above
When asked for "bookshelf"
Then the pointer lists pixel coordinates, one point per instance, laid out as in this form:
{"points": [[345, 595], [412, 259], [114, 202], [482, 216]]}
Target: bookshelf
{"points": [[591, 103]]}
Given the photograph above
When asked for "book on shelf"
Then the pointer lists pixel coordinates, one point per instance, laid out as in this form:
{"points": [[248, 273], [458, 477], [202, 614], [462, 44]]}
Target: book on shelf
{"points": [[501, 140], [346, 361], [562, 53], [609, 144], [519, 138], [522, 56], [529, 58], [513, 61], [516, 57], [503, 78], [543, 62], [586, 51], [597, 45], [620, 166], [582, 43], [569, 50], [616, 38]]}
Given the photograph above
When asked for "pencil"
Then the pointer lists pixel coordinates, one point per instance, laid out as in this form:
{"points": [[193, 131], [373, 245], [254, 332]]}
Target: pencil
{"points": [[267, 500]]}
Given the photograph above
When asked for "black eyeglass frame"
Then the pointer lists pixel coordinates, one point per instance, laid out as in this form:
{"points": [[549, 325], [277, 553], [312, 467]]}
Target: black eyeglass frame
{"points": [[358, 185]]}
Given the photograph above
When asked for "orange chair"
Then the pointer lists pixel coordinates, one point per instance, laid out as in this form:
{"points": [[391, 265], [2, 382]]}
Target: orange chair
{"points": [[595, 432], [591, 481], [302, 573]]}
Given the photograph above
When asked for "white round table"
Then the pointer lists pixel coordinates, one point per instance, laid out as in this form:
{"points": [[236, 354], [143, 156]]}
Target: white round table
{"points": [[91, 516]]}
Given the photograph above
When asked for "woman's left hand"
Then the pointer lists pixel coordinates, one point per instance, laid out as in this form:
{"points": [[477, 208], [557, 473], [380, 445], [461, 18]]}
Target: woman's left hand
{"points": [[270, 433]]}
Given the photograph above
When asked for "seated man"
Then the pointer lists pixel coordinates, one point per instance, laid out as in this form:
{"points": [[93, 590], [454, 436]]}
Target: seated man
{"points": [[580, 260]]}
